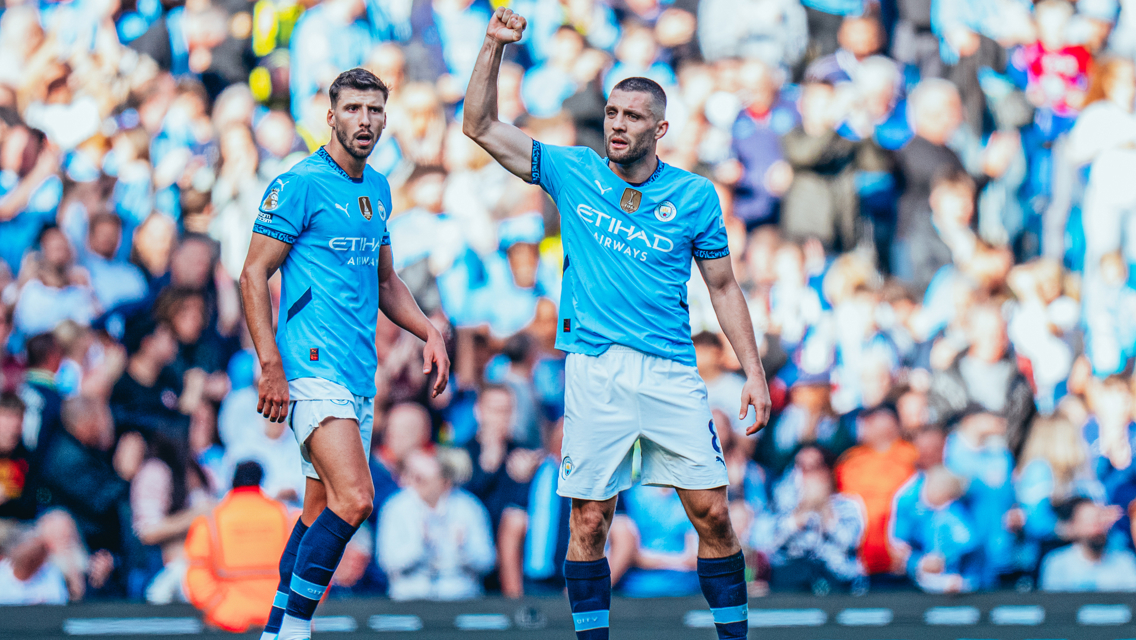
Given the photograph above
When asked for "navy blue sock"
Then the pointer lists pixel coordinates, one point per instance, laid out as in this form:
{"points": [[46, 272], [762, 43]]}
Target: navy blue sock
{"points": [[287, 563], [589, 593], [723, 583], [316, 559]]}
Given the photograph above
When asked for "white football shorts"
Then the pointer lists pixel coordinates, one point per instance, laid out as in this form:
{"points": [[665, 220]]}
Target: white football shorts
{"points": [[623, 396], [313, 401]]}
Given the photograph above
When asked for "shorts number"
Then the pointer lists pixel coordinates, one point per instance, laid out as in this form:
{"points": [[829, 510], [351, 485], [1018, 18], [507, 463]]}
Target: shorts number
{"points": [[714, 438]]}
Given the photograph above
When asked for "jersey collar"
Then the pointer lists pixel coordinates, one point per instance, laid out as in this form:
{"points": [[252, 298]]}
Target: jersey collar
{"points": [[654, 175], [335, 165]]}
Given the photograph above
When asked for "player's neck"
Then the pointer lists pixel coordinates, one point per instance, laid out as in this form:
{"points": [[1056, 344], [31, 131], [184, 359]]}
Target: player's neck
{"points": [[349, 163], [636, 172]]}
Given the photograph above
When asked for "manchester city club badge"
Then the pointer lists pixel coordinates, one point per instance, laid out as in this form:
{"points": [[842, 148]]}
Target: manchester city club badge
{"points": [[666, 211], [566, 466], [382, 210], [365, 207], [630, 200]]}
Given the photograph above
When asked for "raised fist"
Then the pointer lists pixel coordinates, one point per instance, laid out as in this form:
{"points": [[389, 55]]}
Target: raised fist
{"points": [[505, 26]]}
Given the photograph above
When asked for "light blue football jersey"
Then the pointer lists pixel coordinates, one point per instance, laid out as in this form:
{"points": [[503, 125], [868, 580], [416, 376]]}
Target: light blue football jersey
{"points": [[329, 297], [626, 267]]}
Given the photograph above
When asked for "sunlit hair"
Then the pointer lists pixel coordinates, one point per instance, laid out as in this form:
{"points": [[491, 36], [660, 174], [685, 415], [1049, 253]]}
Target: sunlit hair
{"points": [[1058, 442], [1104, 74]]}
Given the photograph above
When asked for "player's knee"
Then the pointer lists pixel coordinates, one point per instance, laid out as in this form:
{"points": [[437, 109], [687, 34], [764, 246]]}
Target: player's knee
{"points": [[355, 506], [589, 527], [715, 521]]}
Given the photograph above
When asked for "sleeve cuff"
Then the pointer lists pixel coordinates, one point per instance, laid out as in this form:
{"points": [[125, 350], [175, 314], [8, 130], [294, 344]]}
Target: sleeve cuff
{"points": [[710, 254], [274, 234], [536, 150]]}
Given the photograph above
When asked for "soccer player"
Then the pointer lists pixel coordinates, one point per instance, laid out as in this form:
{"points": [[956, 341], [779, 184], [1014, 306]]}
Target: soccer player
{"points": [[631, 225], [324, 225]]}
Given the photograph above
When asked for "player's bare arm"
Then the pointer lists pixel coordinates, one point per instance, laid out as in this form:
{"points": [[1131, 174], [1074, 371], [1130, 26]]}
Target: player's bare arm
{"points": [[733, 315], [264, 257], [396, 301], [506, 143]]}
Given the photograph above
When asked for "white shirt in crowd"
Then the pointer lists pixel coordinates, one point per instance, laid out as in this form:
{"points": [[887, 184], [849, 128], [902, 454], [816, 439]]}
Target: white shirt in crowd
{"points": [[435, 553], [1069, 569]]}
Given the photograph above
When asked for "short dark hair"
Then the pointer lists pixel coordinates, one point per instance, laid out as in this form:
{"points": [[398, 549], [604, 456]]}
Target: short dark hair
{"points": [[359, 79], [104, 217], [248, 474], [645, 85], [11, 401], [40, 349]]}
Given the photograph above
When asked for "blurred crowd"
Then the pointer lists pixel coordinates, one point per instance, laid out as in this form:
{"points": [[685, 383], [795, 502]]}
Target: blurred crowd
{"points": [[926, 206]]}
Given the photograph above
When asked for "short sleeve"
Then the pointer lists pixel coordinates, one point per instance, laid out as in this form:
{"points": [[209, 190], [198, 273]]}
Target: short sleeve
{"points": [[710, 240], [548, 166], [283, 211]]}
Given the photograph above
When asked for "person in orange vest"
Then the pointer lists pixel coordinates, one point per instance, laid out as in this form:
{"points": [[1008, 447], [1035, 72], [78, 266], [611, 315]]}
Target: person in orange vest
{"points": [[234, 554], [875, 470]]}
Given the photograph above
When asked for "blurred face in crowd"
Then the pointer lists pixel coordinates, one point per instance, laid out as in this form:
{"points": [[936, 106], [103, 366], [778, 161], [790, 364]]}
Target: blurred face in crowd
{"points": [[988, 339], [11, 428], [637, 48], [104, 238], [981, 427], [90, 423], [938, 113], [875, 381], [192, 265], [153, 241], [161, 346], [275, 133], [427, 191], [941, 487], [1051, 18], [709, 359], [879, 429], [188, 319], [1120, 85], [912, 408], [423, 475], [758, 84], [810, 460], [523, 260], [789, 264], [358, 120], [816, 107], [408, 430], [1112, 402], [388, 62], [1090, 525], [929, 443], [19, 151], [55, 249], [567, 45], [860, 36], [633, 124], [952, 204], [495, 415]]}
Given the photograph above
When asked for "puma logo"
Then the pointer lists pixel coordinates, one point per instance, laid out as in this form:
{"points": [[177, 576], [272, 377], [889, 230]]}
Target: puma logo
{"points": [[601, 187], [343, 208]]}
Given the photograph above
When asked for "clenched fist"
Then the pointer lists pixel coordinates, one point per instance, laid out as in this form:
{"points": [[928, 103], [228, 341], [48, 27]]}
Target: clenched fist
{"points": [[505, 26]]}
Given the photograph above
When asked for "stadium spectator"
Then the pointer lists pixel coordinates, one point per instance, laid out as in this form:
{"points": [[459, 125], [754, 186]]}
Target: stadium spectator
{"points": [[167, 494], [1086, 564], [48, 564], [1053, 469], [815, 545], [874, 471], [233, 553], [986, 375], [755, 144], [434, 540], [492, 452], [976, 451], [667, 553], [17, 491], [936, 533], [115, 281], [75, 473], [723, 385]]}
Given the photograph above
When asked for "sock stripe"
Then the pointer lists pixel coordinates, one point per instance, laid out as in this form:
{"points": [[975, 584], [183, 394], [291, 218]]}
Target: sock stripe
{"points": [[727, 615], [588, 620], [309, 590], [280, 600]]}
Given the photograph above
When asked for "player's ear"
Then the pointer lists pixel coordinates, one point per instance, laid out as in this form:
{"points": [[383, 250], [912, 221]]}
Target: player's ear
{"points": [[661, 128], [331, 118]]}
